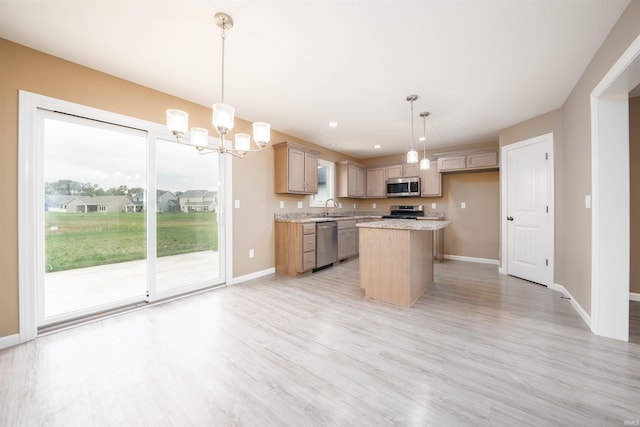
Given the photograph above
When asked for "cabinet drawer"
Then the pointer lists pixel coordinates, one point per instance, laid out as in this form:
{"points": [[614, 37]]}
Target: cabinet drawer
{"points": [[308, 242], [309, 228], [348, 223], [308, 260]]}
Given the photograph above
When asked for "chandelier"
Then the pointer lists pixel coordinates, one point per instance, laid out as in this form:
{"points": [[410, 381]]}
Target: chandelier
{"points": [[412, 155], [424, 163], [223, 114]]}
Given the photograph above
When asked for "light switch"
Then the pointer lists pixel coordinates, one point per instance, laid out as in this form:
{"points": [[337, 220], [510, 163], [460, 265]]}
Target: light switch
{"points": [[251, 253], [299, 205], [236, 204], [587, 201], [281, 204], [463, 205]]}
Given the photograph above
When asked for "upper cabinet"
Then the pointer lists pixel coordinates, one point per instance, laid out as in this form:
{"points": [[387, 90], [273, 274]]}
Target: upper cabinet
{"points": [[403, 170], [377, 182], [465, 162], [431, 181], [296, 169], [350, 179]]}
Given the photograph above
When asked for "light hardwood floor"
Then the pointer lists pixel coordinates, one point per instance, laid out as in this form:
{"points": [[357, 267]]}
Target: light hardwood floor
{"points": [[477, 348]]}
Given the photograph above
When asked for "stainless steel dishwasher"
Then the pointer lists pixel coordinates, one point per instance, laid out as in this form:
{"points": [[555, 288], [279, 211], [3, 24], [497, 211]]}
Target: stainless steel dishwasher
{"points": [[326, 243]]}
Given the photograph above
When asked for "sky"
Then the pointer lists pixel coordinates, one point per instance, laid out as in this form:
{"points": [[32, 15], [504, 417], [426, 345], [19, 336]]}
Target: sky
{"points": [[110, 156]]}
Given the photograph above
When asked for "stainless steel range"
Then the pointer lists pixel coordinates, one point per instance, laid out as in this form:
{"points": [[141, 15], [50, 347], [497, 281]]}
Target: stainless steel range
{"points": [[415, 212], [405, 212]]}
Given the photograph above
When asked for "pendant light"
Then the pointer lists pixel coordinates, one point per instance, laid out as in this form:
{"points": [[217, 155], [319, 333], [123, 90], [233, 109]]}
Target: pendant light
{"points": [[424, 163], [223, 116], [412, 155]]}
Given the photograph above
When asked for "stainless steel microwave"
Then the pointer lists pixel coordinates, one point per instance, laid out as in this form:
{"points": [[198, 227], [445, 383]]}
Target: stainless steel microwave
{"points": [[403, 187]]}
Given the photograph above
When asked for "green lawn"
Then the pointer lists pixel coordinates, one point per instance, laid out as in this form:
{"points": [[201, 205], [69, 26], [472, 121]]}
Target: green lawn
{"points": [[84, 240]]}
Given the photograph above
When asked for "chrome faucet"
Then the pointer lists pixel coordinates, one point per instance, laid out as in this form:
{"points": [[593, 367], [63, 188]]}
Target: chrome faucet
{"points": [[326, 208]]}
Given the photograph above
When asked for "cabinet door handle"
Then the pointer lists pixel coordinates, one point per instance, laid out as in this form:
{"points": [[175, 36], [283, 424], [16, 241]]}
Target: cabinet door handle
{"points": [[509, 218]]}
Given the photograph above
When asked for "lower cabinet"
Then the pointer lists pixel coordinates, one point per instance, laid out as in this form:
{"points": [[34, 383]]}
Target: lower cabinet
{"points": [[347, 239], [295, 248]]}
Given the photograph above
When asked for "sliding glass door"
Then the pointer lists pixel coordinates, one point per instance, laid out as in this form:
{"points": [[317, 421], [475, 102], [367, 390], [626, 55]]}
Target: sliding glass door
{"points": [[187, 218], [128, 216]]}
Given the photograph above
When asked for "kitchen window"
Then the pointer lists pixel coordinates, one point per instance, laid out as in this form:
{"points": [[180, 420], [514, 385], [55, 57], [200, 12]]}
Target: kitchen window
{"points": [[326, 184]]}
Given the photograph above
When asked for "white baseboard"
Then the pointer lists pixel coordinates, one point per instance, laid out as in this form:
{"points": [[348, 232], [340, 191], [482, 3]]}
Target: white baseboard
{"points": [[472, 259], [9, 341], [634, 296], [576, 306], [252, 276]]}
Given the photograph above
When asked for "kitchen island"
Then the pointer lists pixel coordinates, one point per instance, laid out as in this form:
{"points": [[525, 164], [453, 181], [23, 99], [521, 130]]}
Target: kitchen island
{"points": [[396, 259]]}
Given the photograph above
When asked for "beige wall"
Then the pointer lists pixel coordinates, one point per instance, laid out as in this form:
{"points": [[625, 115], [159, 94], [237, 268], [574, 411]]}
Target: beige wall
{"points": [[22, 68], [634, 177], [573, 228]]}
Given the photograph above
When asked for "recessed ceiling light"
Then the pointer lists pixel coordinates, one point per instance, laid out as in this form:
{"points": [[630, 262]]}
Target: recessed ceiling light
{"points": [[377, 146], [333, 124]]}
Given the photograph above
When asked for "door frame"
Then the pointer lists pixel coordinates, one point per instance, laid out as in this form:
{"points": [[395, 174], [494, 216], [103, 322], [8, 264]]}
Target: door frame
{"points": [[30, 161], [610, 186], [547, 141]]}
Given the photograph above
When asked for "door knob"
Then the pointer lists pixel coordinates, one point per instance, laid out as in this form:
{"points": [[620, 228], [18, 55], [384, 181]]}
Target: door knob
{"points": [[509, 218]]}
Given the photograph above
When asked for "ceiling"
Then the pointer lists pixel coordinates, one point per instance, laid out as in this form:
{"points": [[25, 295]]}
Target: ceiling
{"points": [[478, 66]]}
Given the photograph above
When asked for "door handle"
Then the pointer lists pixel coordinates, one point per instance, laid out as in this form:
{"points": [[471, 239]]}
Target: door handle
{"points": [[509, 218]]}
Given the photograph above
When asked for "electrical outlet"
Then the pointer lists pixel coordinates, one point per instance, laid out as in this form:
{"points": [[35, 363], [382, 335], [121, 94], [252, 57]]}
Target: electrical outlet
{"points": [[236, 204], [587, 201], [433, 205], [299, 205], [373, 205], [355, 206], [340, 205], [281, 204], [251, 253], [463, 205]]}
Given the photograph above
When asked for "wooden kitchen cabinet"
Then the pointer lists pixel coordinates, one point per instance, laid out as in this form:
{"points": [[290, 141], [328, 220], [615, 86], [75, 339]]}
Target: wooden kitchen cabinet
{"points": [[452, 163], [377, 182], [350, 179], [295, 248], [431, 181], [403, 170], [296, 169], [482, 160], [470, 161], [347, 239]]}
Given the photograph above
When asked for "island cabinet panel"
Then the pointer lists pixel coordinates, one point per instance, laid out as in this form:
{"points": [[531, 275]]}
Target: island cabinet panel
{"points": [[296, 169], [395, 265], [295, 248], [377, 182]]}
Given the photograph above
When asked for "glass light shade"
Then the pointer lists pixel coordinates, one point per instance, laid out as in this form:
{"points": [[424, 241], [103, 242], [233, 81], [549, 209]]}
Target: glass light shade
{"points": [[243, 142], [412, 156], [261, 133], [199, 137], [422, 138], [424, 164], [223, 117], [177, 121]]}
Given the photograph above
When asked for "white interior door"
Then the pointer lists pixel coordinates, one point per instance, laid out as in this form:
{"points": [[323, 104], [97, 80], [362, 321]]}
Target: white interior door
{"points": [[528, 210]]}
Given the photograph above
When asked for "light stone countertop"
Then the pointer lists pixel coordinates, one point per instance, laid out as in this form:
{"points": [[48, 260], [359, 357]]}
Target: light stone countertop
{"points": [[406, 224], [306, 217]]}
